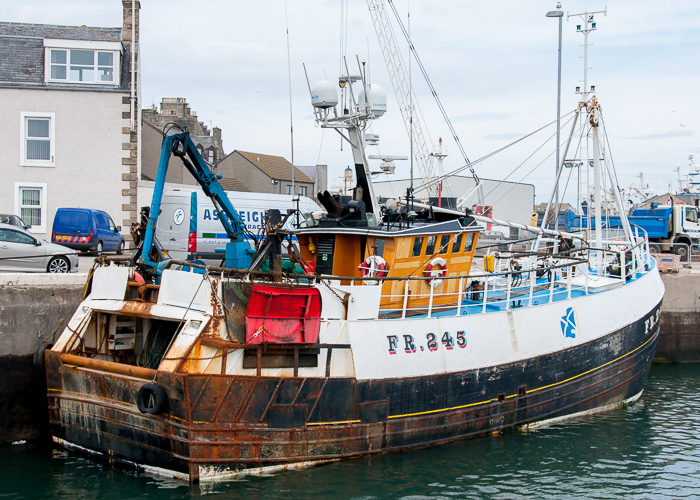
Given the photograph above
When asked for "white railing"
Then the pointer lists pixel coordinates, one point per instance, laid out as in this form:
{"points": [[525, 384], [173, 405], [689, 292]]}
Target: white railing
{"points": [[484, 292]]}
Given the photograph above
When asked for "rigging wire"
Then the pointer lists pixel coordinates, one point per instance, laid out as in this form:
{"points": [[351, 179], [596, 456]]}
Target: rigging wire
{"points": [[432, 89], [483, 158]]}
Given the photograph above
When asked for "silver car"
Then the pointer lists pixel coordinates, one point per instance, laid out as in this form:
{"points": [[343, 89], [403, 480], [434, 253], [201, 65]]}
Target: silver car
{"points": [[22, 251]]}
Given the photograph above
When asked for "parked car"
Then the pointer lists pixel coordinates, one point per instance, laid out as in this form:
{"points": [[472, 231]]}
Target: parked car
{"points": [[15, 220], [87, 230], [22, 251]]}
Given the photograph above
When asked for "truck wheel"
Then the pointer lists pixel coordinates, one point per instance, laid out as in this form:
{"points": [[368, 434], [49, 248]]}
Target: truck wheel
{"points": [[120, 249], [682, 251], [654, 248], [98, 249]]}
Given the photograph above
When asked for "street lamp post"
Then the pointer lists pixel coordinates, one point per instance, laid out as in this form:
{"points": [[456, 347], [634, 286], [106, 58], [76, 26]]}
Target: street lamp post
{"points": [[559, 14]]}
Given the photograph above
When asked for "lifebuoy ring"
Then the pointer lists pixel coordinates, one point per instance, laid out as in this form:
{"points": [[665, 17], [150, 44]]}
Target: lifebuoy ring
{"points": [[435, 275], [374, 266], [151, 399]]}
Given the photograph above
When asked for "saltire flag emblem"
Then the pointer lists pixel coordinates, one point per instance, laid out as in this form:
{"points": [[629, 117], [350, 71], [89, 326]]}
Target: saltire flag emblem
{"points": [[568, 324]]}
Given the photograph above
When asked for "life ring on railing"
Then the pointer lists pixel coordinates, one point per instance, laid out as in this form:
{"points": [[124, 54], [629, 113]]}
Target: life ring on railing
{"points": [[374, 266], [435, 275], [151, 399]]}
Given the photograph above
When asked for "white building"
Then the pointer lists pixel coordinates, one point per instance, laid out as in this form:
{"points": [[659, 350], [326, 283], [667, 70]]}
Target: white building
{"points": [[510, 201], [69, 120]]}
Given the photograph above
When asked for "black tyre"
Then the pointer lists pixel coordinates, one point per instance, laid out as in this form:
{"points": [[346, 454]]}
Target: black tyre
{"points": [[682, 251], [120, 249], [98, 248], [58, 265], [654, 248], [151, 399], [39, 356]]}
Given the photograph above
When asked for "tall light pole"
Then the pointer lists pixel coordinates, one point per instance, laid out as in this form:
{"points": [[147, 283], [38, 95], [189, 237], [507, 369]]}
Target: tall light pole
{"points": [[560, 15]]}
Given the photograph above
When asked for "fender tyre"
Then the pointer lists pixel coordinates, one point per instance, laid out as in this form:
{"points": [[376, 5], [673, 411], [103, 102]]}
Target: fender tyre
{"points": [[151, 399]]}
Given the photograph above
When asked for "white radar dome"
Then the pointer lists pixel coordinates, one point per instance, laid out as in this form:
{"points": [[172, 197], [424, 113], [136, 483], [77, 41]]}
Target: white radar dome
{"points": [[376, 99], [323, 95]]}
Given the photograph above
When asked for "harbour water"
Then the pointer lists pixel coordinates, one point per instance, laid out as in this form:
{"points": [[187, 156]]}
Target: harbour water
{"points": [[649, 450]]}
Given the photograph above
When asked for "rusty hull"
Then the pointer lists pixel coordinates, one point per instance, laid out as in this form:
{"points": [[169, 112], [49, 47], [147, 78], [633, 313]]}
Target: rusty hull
{"points": [[222, 426]]}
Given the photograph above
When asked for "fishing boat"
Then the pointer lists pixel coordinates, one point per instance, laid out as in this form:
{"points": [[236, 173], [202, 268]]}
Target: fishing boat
{"points": [[388, 331]]}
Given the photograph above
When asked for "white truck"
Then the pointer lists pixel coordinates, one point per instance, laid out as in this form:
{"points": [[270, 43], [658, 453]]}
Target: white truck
{"points": [[189, 229]]}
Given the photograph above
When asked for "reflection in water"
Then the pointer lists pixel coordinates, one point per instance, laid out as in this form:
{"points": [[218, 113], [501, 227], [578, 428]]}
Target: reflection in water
{"points": [[648, 450]]}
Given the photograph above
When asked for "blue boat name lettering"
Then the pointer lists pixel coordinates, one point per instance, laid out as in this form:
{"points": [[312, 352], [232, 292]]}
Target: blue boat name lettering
{"points": [[461, 339], [410, 343], [393, 342], [432, 343], [651, 321]]}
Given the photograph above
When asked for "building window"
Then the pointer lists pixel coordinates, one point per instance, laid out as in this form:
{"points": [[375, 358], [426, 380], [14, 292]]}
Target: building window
{"points": [[37, 135], [302, 190], [77, 61], [289, 189], [82, 66], [30, 204]]}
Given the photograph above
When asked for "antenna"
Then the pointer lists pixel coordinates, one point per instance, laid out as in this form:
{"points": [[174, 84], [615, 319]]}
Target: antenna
{"points": [[289, 72], [589, 25]]}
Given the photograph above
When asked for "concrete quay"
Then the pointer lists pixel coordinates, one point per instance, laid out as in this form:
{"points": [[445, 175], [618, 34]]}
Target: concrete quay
{"points": [[35, 307]]}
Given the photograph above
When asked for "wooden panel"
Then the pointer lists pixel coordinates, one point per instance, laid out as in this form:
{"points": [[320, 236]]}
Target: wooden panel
{"points": [[403, 247]]}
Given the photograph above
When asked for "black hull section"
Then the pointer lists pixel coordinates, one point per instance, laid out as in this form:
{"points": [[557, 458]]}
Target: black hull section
{"points": [[218, 425]]}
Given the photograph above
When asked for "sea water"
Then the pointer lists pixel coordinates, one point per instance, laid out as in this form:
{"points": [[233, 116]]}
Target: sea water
{"points": [[648, 450]]}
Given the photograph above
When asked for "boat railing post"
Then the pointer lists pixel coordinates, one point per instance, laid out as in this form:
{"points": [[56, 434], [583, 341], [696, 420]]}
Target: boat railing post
{"points": [[533, 280], [460, 296], [405, 299], [552, 272], [486, 289], [623, 266], [430, 300], [569, 275], [508, 289]]}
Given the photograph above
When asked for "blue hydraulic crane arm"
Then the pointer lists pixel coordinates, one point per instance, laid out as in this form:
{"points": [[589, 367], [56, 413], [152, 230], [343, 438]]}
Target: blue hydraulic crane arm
{"points": [[182, 146]]}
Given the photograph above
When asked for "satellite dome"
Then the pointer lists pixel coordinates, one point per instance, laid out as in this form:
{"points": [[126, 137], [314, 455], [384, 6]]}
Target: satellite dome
{"points": [[376, 99], [323, 95]]}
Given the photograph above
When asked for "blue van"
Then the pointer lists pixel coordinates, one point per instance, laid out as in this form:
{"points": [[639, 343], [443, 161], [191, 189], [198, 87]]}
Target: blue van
{"points": [[86, 229]]}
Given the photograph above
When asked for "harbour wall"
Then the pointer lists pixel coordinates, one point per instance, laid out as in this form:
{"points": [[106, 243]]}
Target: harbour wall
{"points": [[34, 308]]}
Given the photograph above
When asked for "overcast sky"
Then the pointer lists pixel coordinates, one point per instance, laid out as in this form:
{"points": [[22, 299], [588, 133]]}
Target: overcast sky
{"points": [[493, 65]]}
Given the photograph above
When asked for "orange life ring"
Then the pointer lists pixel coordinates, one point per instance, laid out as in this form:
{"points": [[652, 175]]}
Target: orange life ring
{"points": [[374, 266], [435, 275]]}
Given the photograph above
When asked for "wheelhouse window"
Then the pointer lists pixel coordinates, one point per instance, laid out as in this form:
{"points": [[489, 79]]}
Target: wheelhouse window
{"points": [[30, 205], [457, 244], [82, 62], [430, 247], [444, 243], [417, 246], [469, 242], [37, 137]]}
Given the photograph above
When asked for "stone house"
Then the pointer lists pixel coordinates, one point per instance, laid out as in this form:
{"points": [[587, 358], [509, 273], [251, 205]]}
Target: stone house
{"points": [[175, 113], [262, 173], [70, 128]]}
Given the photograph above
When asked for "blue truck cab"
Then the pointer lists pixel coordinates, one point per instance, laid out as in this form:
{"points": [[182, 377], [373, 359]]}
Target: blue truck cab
{"points": [[86, 229]]}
